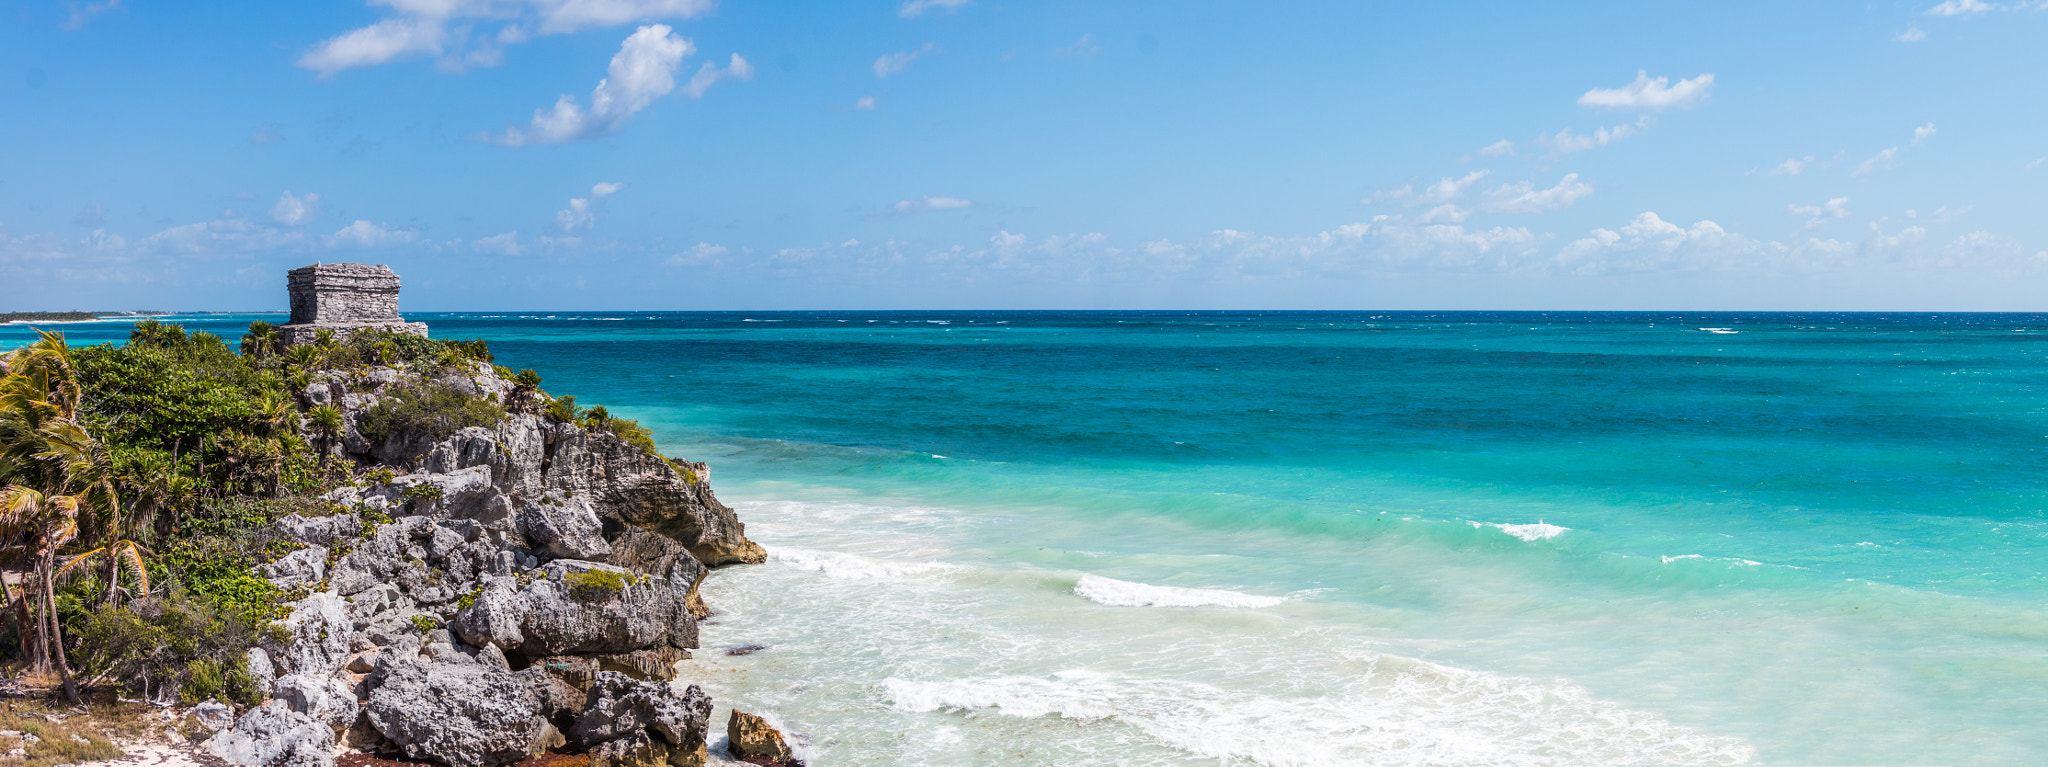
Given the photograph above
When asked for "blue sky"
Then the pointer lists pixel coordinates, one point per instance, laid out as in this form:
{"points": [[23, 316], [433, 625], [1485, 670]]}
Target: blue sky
{"points": [[690, 154]]}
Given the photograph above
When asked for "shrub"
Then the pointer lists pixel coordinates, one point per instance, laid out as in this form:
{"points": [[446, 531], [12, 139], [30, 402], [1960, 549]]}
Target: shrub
{"points": [[563, 409], [596, 585], [425, 623], [431, 412], [172, 645]]}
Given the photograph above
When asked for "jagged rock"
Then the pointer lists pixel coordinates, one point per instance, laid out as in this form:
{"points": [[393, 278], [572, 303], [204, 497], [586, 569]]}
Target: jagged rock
{"points": [[631, 487], [321, 531], [749, 737], [319, 629], [366, 605], [325, 699], [459, 714], [260, 670], [305, 567], [430, 562], [494, 618], [563, 527], [632, 750], [461, 494], [560, 701], [658, 663], [214, 715], [619, 706], [644, 551], [568, 614], [273, 735]]}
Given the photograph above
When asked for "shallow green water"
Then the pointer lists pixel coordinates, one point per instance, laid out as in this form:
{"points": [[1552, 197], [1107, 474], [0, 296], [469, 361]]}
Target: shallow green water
{"points": [[1461, 538]]}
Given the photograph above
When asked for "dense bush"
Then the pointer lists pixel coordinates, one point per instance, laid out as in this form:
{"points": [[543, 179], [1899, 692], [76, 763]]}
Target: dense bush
{"points": [[173, 645], [430, 410]]}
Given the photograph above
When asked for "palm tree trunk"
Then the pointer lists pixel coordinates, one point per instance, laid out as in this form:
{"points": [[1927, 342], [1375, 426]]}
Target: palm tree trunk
{"points": [[20, 626], [56, 632], [112, 595]]}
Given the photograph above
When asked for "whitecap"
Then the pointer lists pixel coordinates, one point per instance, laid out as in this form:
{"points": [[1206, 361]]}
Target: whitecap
{"points": [[1399, 712], [1116, 593], [839, 565], [1669, 560], [1540, 531], [1721, 331]]}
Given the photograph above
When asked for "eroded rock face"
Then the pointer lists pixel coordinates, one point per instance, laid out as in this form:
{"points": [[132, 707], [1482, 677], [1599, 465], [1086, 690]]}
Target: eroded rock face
{"points": [[319, 628], [573, 608], [305, 567], [620, 706], [563, 527], [458, 714], [749, 737], [631, 487], [326, 699], [273, 735]]}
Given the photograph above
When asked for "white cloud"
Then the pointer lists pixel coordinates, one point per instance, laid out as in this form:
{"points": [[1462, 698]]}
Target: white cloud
{"points": [[295, 211], [366, 234], [710, 73], [1447, 213], [1501, 148], [1649, 243], [894, 63], [1961, 8], [469, 33], [1083, 47], [581, 214], [1646, 93], [506, 244], [702, 254], [865, 103], [1945, 214], [643, 70], [1524, 197], [83, 12], [265, 135], [1822, 214], [2036, 163], [1912, 35], [1884, 160], [914, 8], [378, 43], [1792, 166], [932, 203], [1449, 188], [1921, 133], [1565, 142]]}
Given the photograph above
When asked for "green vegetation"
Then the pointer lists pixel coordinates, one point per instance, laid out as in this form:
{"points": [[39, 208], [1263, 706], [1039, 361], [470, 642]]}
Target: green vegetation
{"points": [[138, 484], [596, 585], [46, 316], [425, 623]]}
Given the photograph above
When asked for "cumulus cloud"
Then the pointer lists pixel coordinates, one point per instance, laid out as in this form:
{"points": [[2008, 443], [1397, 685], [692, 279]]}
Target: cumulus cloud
{"points": [[1566, 142], [1961, 8], [1822, 214], [865, 103], [1921, 133], [2037, 163], [1501, 148], [295, 211], [895, 63], [643, 70], [1884, 160], [1650, 243], [1646, 93], [466, 33], [702, 254], [581, 214], [932, 203], [1792, 166], [1912, 35], [1524, 197], [914, 8], [506, 244], [367, 234], [737, 69]]}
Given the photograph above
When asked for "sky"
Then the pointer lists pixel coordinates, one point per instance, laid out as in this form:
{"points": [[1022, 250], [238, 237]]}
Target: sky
{"points": [[992, 154]]}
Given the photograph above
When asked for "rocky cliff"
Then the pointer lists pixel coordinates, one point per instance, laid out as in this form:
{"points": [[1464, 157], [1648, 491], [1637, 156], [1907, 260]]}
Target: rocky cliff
{"points": [[489, 596]]}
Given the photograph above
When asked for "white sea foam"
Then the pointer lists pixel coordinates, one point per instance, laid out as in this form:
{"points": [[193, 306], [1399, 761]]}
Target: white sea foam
{"points": [[1669, 560], [839, 565], [1399, 712], [1116, 593], [1540, 531], [1721, 331]]}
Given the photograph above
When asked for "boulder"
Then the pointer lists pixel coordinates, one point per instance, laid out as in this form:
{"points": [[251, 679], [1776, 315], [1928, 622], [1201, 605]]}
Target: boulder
{"points": [[318, 630], [213, 715], [563, 527], [305, 567], [586, 607], [629, 486], [322, 531], [636, 749], [261, 671], [462, 715], [326, 699], [619, 706], [560, 701], [750, 738], [495, 615], [273, 735]]}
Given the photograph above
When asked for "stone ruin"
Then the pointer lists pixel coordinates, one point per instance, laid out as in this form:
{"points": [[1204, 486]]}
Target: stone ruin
{"points": [[344, 298]]}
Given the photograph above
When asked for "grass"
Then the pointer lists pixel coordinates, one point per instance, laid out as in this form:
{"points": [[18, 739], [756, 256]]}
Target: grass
{"points": [[59, 728]]}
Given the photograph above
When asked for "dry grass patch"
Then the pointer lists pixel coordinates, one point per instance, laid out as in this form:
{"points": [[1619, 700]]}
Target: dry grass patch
{"points": [[70, 734]]}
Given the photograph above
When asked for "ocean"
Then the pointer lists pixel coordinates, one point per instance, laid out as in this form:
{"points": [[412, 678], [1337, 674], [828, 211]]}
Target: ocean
{"points": [[1352, 538]]}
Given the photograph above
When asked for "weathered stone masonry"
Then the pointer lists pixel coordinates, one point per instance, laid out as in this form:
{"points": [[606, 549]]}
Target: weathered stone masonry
{"points": [[344, 298]]}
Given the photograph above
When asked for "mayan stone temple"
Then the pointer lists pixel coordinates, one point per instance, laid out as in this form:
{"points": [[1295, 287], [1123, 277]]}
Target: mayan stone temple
{"points": [[344, 298]]}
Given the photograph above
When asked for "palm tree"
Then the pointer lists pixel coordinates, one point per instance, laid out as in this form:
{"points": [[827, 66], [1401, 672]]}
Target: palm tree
{"points": [[44, 522], [262, 340], [326, 422]]}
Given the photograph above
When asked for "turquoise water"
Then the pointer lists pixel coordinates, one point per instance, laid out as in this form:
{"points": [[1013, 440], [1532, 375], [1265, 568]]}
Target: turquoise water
{"points": [[1386, 538]]}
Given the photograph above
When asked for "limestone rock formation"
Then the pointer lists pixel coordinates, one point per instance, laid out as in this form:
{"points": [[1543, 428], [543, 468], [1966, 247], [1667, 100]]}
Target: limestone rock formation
{"points": [[458, 714], [750, 738], [344, 299], [273, 735]]}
